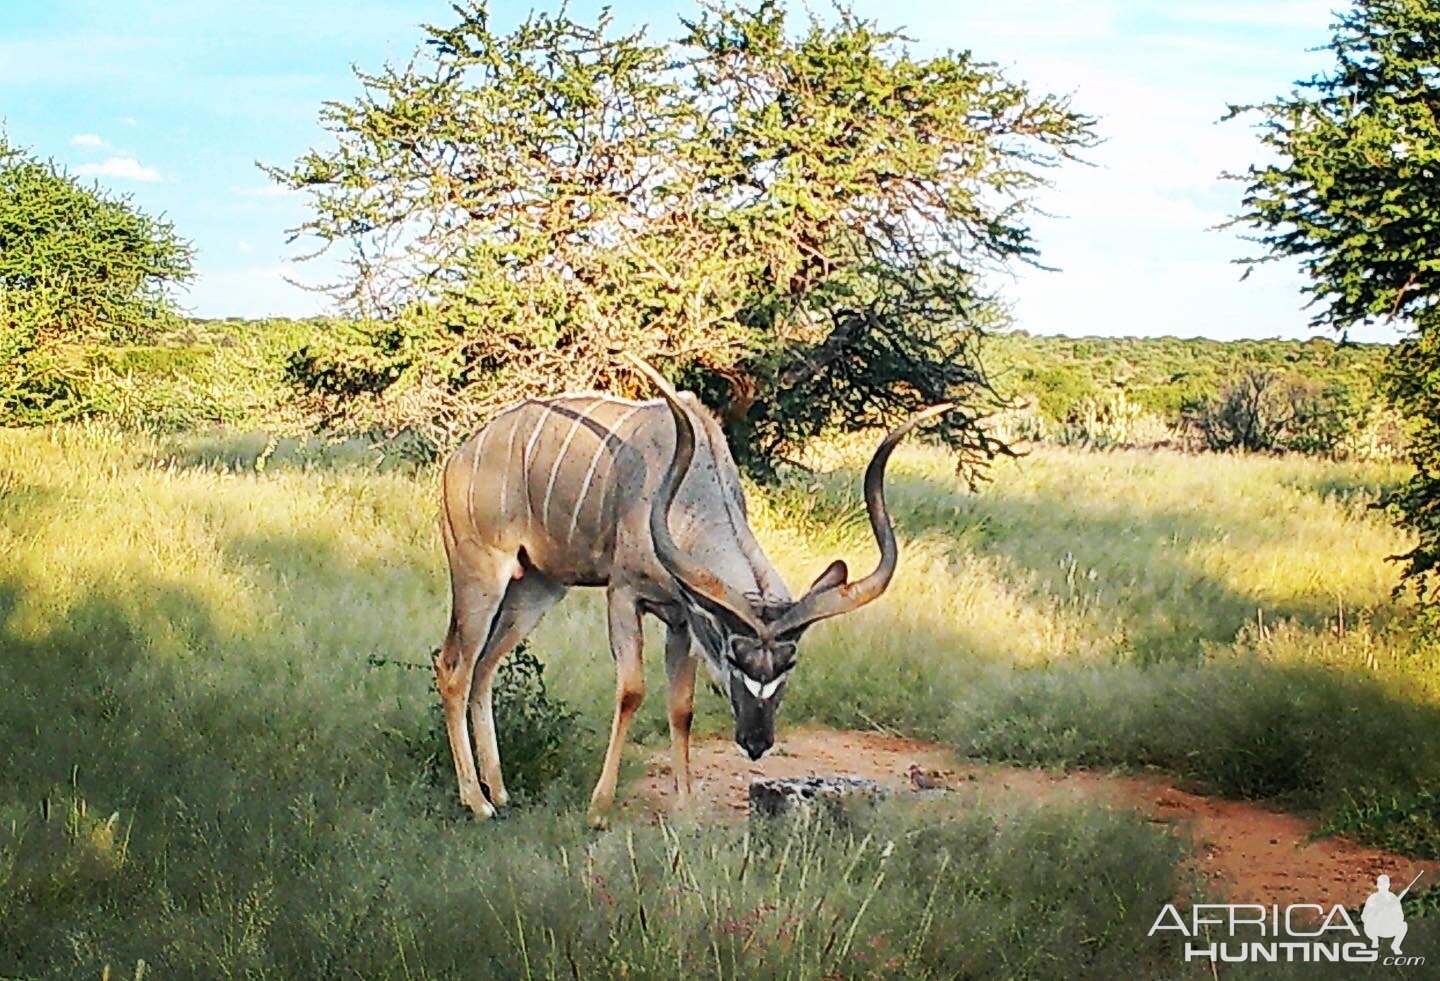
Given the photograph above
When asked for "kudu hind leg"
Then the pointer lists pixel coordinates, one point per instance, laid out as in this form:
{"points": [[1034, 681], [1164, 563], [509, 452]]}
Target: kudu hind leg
{"points": [[477, 590], [626, 646], [527, 600]]}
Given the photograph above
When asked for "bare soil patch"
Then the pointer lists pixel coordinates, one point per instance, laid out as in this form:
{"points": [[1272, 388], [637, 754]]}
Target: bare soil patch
{"points": [[1245, 851]]}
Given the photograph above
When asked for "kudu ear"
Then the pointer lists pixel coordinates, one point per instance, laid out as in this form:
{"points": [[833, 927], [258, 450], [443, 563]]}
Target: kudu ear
{"points": [[835, 574]]}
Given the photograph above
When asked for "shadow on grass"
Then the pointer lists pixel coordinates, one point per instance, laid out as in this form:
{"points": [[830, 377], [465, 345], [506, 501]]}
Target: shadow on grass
{"points": [[1351, 485], [248, 452], [264, 825], [255, 770]]}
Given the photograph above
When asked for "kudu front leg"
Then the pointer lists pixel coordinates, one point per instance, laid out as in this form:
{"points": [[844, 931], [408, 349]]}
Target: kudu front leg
{"points": [[626, 646], [680, 707]]}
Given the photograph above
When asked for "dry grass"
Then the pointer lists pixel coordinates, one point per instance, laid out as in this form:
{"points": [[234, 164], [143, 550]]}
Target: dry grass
{"points": [[184, 641]]}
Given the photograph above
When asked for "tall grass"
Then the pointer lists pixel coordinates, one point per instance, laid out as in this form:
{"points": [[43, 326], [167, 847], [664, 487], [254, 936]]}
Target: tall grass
{"points": [[204, 771], [1228, 619]]}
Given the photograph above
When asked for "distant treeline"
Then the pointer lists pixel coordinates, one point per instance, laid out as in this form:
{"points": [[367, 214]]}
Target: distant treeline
{"points": [[1313, 395], [1162, 375]]}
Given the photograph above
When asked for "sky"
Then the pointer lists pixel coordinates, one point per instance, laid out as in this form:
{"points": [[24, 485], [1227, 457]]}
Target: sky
{"points": [[174, 104]]}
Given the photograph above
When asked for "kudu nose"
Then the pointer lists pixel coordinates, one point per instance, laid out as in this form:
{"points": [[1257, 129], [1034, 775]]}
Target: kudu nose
{"points": [[755, 746]]}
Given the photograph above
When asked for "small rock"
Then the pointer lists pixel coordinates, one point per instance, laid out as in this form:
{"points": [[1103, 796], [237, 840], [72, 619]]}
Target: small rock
{"points": [[773, 797]]}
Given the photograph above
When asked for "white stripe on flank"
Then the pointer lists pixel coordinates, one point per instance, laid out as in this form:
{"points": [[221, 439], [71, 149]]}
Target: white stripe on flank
{"points": [[474, 467], [594, 465], [505, 471], [580, 417], [525, 460]]}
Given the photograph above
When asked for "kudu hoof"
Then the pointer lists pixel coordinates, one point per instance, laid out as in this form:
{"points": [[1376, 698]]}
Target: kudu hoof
{"points": [[479, 806]]}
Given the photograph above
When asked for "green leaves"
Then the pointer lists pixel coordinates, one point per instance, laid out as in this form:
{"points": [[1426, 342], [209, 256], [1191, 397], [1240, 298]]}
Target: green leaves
{"points": [[794, 218], [1412, 381], [76, 265], [1354, 195]]}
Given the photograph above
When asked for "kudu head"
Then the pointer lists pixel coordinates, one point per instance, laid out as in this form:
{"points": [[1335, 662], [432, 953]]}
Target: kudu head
{"points": [[749, 644]]}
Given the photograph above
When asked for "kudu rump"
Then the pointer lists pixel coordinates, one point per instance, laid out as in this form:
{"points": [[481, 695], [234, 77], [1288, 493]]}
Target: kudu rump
{"points": [[644, 499]]}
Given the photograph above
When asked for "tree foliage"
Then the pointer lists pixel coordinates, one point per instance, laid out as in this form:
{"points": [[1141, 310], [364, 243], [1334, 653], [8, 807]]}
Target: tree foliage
{"points": [[76, 265], [1413, 384], [796, 222], [1354, 195]]}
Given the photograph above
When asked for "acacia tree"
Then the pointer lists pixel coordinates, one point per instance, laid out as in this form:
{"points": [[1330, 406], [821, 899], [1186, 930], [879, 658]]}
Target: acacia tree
{"points": [[76, 266], [796, 224], [1354, 194]]}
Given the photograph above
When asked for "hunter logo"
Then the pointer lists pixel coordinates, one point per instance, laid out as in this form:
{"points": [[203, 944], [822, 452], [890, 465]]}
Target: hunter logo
{"points": [[1304, 932], [1383, 916]]}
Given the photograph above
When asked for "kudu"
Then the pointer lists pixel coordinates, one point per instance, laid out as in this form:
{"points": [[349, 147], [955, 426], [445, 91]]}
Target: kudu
{"points": [[644, 499]]}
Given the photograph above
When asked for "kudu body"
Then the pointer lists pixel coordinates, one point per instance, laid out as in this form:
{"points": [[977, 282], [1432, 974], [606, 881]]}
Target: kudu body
{"points": [[644, 499]]}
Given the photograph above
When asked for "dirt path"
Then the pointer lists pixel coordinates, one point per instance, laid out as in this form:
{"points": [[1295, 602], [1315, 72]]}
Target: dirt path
{"points": [[1246, 852]]}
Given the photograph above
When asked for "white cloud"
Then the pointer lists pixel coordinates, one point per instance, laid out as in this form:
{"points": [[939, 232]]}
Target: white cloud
{"points": [[87, 140], [120, 168], [129, 121], [244, 246]]}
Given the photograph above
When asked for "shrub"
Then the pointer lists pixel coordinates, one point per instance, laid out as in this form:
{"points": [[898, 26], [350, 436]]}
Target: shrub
{"points": [[1112, 420], [1058, 390], [1407, 824], [535, 730], [1264, 410], [76, 265], [1412, 380]]}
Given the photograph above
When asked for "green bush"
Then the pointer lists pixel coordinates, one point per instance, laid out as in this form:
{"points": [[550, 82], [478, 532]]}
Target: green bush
{"points": [[1408, 825], [1264, 410], [1412, 381], [1057, 390], [77, 266], [536, 731]]}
